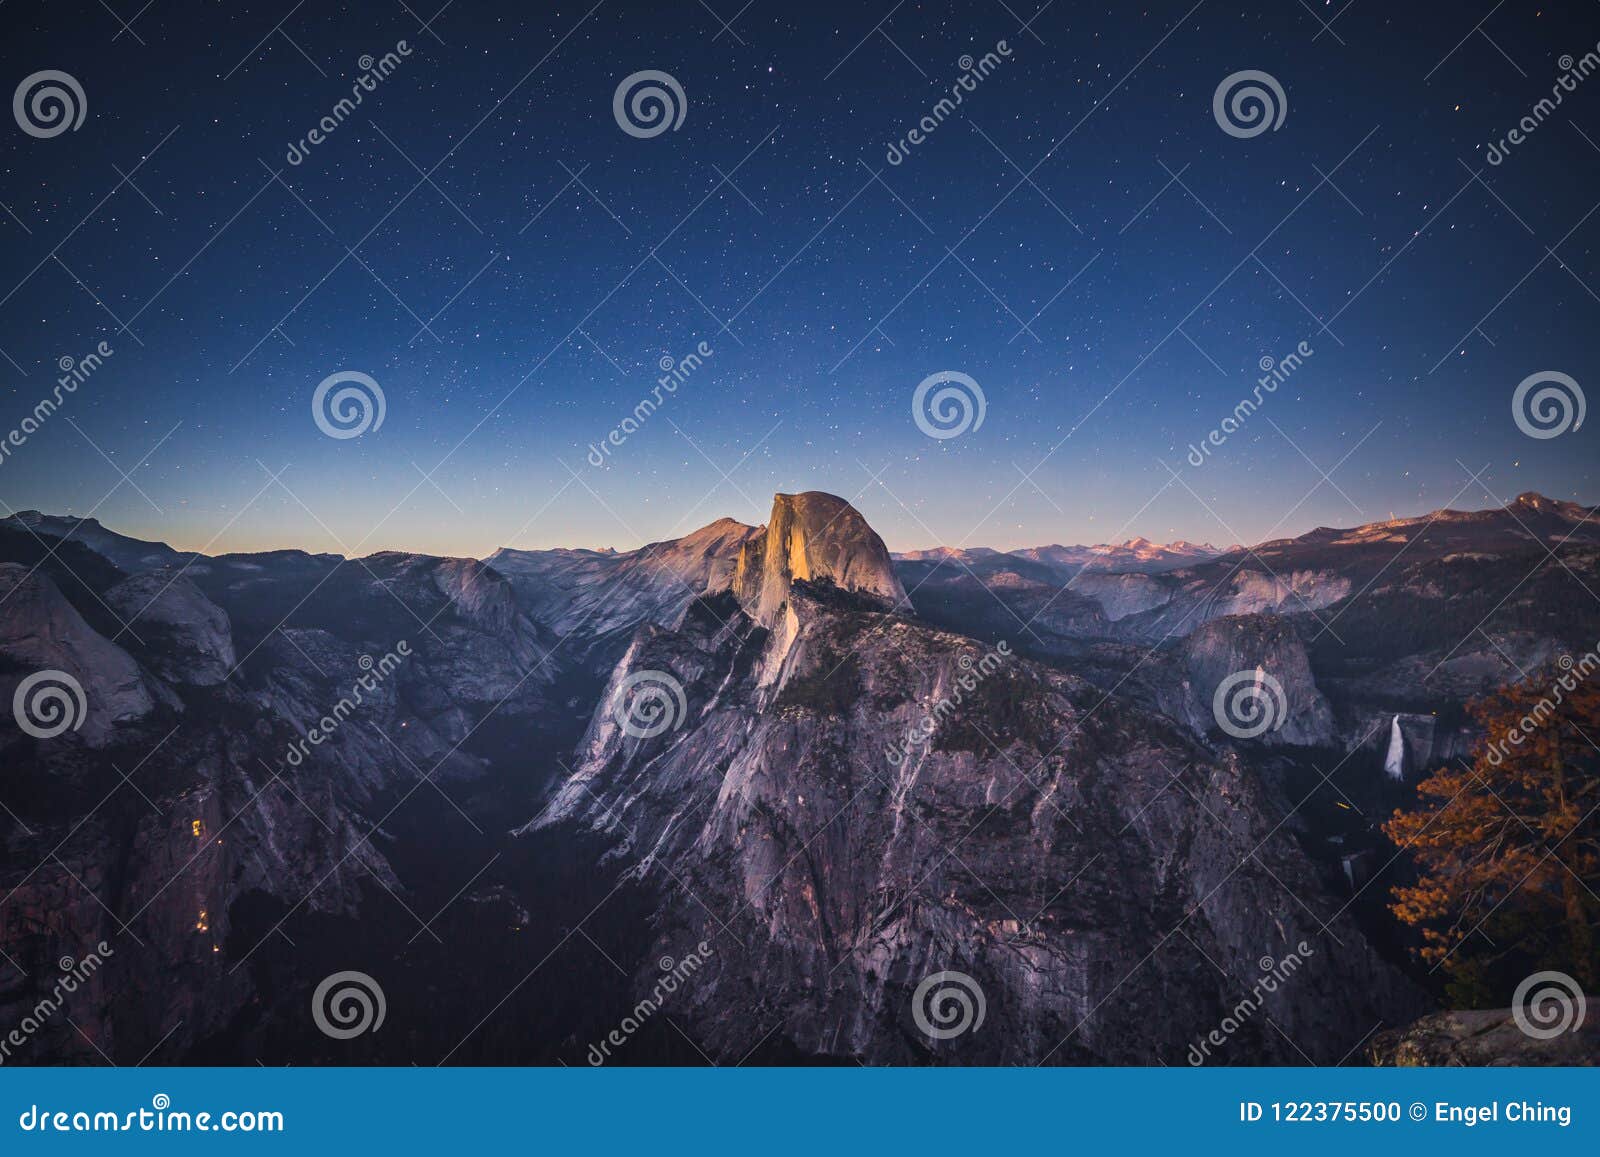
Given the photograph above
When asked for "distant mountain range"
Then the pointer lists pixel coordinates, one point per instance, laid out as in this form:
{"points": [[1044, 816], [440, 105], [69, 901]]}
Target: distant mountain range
{"points": [[1136, 554], [843, 771]]}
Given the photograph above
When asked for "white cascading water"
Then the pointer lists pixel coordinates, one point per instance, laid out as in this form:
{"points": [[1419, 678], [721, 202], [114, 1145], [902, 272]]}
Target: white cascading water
{"points": [[1394, 763]]}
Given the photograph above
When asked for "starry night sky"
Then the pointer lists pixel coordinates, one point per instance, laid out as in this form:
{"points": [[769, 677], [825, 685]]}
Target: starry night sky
{"points": [[556, 259]]}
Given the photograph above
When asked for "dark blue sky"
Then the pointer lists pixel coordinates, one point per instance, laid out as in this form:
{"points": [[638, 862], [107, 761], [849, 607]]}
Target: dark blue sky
{"points": [[550, 298]]}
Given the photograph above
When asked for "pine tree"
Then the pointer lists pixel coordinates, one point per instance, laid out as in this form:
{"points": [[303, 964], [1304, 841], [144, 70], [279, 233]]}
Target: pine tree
{"points": [[1508, 848]]}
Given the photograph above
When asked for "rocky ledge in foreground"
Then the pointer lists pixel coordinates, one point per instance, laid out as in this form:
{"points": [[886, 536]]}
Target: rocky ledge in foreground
{"points": [[1482, 1037]]}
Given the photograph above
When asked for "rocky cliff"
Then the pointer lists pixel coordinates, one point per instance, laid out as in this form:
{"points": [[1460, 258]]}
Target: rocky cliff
{"points": [[594, 599], [883, 802], [817, 538], [771, 753], [200, 775], [42, 634], [1269, 652]]}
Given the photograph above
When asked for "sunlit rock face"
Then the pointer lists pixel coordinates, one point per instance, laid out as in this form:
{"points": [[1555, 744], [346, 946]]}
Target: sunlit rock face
{"points": [[818, 538]]}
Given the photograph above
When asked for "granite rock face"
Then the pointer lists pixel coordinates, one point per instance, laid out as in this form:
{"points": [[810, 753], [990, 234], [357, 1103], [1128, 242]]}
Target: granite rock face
{"points": [[886, 801], [40, 632], [812, 537], [195, 643], [1296, 711], [1304, 576], [752, 728], [592, 600], [208, 777]]}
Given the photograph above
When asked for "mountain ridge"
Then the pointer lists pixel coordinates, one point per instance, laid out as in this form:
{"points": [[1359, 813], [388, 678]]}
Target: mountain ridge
{"points": [[845, 717], [90, 530]]}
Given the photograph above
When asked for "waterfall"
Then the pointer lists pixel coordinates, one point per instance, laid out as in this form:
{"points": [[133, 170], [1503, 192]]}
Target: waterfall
{"points": [[1394, 763]]}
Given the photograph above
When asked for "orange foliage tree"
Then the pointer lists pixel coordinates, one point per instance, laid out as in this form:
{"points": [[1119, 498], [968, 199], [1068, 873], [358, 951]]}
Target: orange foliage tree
{"points": [[1508, 848]]}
